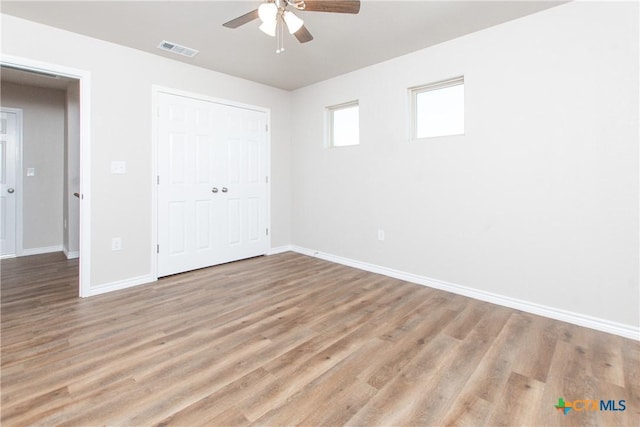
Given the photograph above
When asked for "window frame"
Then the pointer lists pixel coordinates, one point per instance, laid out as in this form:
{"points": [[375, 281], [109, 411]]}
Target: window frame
{"points": [[329, 132], [429, 87]]}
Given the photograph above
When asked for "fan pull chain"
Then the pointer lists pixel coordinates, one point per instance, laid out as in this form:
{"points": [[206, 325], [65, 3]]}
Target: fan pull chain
{"points": [[280, 36]]}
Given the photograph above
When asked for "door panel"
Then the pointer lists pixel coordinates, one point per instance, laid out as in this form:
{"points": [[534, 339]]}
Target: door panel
{"points": [[253, 219], [177, 158], [204, 212], [203, 158], [212, 192], [3, 157], [253, 162], [8, 178], [234, 149], [233, 221], [178, 226], [245, 175], [3, 223]]}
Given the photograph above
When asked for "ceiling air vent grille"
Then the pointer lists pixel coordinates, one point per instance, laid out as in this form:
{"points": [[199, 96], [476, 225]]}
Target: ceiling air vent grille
{"points": [[176, 48]]}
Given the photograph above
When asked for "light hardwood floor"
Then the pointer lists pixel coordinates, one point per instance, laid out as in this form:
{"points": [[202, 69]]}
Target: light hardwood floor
{"points": [[293, 340]]}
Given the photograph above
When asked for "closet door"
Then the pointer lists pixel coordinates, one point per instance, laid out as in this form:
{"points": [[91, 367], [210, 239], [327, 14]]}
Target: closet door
{"points": [[241, 178], [212, 184]]}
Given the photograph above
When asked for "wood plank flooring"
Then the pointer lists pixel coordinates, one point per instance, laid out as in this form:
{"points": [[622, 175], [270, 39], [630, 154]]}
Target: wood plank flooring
{"points": [[293, 340]]}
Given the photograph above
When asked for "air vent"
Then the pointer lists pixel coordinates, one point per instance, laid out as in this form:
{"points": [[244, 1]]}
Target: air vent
{"points": [[176, 48]]}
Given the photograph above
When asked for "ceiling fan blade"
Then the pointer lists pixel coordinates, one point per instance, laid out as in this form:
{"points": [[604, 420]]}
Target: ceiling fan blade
{"points": [[334, 6], [241, 20], [303, 35]]}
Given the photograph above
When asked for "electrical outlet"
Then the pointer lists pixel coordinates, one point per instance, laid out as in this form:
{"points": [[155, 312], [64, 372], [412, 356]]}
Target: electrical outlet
{"points": [[381, 234], [116, 244]]}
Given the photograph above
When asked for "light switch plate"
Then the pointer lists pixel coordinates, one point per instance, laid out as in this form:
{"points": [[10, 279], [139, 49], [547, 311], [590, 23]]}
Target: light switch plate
{"points": [[31, 171], [118, 166], [116, 244]]}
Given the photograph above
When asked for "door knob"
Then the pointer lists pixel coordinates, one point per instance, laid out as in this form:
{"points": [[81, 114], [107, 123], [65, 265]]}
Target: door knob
{"points": [[214, 190], [224, 189], [10, 190]]}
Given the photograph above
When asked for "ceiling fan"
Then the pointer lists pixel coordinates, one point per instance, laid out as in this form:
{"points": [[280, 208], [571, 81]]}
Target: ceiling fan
{"points": [[275, 15]]}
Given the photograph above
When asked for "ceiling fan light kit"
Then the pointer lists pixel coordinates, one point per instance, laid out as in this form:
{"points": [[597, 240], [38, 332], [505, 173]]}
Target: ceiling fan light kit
{"points": [[293, 22], [268, 12], [275, 15], [269, 28]]}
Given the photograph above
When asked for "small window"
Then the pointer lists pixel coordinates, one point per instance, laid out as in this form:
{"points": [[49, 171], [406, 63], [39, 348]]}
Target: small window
{"points": [[437, 109], [343, 124]]}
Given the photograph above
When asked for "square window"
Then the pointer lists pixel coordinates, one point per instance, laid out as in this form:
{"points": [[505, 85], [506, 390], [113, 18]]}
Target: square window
{"points": [[344, 124], [437, 109]]}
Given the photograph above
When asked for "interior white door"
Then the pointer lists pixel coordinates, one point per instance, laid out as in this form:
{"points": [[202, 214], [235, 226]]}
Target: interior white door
{"points": [[8, 178], [241, 173], [212, 189]]}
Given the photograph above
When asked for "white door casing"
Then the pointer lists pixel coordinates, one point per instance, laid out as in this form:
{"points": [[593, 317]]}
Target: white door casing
{"points": [[9, 164], [212, 189]]}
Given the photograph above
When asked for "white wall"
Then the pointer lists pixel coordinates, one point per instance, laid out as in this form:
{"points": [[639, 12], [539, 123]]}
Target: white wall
{"points": [[43, 150], [121, 88], [538, 201]]}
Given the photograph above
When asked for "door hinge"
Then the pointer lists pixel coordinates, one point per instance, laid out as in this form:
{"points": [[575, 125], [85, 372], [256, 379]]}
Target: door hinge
{"points": [[158, 179], [267, 231], [266, 128], [157, 249], [266, 179]]}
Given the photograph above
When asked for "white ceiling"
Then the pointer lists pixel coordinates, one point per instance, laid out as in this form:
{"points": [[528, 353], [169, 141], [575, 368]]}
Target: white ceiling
{"points": [[342, 43]]}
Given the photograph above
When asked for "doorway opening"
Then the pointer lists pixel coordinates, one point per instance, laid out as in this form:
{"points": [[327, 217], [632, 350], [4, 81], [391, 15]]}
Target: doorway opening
{"points": [[45, 162]]}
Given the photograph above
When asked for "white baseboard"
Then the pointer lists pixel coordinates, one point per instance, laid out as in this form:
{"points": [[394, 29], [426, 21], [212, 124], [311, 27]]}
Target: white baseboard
{"points": [[122, 284], [627, 331], [71, 254], [279, 250], [39, 251], [128, 283]]}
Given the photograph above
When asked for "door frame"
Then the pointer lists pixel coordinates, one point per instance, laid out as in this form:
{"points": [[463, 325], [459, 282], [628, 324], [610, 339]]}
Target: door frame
{"points": [[156, 90], [84, 80], [18, 168]]}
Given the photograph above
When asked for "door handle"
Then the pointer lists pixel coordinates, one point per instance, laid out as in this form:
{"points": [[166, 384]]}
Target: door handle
{"points": [[10, 190], [225, 189], [214, 190]]}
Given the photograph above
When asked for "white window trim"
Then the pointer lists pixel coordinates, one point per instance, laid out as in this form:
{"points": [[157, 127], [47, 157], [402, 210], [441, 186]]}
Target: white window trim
{"points": [[329, 123], [413, 94]]}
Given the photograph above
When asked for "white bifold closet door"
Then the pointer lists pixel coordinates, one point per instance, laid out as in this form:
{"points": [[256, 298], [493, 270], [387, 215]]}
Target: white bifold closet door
{"points": [[212, 184]]}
